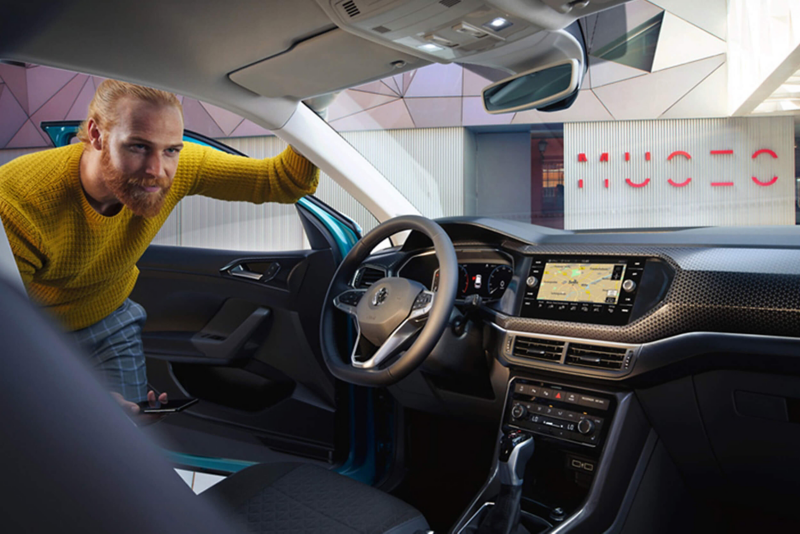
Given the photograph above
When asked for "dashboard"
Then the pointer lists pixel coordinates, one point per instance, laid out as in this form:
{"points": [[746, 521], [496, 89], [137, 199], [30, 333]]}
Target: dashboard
{"points": [[615, 298], [599, 343]]}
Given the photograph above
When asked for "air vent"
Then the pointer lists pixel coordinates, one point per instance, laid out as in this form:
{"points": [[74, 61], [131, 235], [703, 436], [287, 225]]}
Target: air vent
{"points": [[351, 8], [381, 29], [597, 356], [538, 349], [449, 3], [366, 276]]}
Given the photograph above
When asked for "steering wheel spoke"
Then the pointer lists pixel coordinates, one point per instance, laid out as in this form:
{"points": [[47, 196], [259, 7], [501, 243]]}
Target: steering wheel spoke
{"points": [[348, 300], [401, 337]]}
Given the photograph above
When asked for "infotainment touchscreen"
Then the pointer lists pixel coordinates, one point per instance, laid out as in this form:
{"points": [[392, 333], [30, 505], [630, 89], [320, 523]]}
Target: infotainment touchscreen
{"points": [[594, 289], [596, 283]]}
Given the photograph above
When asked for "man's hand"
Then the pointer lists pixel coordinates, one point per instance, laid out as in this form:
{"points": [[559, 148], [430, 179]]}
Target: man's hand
{"points": [[132, 409]]}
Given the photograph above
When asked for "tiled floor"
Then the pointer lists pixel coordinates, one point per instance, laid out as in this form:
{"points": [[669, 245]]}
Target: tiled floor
{"points": [[199, 482]]}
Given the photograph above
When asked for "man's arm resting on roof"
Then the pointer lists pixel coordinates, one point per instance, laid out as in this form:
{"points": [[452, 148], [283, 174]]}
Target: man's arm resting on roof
{"points": [[286, 178]]}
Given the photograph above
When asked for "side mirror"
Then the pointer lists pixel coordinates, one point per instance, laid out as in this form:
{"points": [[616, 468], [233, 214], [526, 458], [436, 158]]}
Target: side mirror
{"points": [[535, 88]]}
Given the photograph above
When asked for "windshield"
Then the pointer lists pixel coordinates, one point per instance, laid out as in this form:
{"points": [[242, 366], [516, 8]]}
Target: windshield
{"points": [[659, 135]]}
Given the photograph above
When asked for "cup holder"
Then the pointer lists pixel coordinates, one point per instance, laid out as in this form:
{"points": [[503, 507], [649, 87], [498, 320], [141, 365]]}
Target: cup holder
{"points": [[529, 523]]}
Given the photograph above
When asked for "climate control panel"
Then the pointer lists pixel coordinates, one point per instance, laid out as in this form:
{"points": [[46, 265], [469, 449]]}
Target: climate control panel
{"points": [[560, 412]]}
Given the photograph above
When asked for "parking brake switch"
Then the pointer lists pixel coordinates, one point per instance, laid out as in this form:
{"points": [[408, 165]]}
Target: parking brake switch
{"points": [[516, 448]]}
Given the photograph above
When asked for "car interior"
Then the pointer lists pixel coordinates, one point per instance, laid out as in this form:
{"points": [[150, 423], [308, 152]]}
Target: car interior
{"points": [[428, 375]]}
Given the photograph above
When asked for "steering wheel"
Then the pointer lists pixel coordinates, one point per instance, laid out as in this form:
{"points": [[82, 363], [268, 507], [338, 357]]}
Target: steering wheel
{"points": [[399, 318]]}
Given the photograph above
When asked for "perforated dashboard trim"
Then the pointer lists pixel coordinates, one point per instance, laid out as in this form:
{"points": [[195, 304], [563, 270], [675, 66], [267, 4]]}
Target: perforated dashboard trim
{"points": [[731, 290]]}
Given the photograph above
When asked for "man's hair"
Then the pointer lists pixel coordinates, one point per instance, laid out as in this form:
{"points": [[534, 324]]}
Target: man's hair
{"points": [[103, 107]]}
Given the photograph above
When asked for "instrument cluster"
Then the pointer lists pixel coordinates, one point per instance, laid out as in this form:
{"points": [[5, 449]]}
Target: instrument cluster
{"points": [[482, 272]]}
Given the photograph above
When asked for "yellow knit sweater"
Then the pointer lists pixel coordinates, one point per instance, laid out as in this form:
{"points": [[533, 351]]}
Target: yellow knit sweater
{"points": [[81, 265]]}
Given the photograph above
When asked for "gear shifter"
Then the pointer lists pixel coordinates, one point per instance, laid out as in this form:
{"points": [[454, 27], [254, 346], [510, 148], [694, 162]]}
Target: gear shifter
{"points": [[516, 448]]}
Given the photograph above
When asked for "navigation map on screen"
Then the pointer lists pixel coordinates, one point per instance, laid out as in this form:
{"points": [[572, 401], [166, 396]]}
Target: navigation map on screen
{"points": [[598, 283]]}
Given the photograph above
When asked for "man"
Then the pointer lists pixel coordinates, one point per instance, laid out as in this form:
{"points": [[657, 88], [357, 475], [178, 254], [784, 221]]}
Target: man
{"points": [[79, 217]]}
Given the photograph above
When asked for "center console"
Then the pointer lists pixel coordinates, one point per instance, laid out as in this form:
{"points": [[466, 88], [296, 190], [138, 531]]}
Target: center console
{"points": [[588, 442], [561, 412]]}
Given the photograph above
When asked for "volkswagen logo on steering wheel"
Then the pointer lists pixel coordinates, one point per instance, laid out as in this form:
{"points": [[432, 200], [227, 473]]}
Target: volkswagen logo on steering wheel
{"points": [[380, 297]]}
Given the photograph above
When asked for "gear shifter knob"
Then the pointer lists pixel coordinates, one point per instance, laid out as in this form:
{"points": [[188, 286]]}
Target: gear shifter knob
{"points": [[516, 448]]}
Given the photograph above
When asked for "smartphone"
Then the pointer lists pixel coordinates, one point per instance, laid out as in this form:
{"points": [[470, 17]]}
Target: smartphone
{"points": [[172, 406]]}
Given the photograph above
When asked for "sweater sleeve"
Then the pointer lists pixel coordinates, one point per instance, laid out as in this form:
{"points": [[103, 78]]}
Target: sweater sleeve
{"points": [[286, 178], [24, 241]]}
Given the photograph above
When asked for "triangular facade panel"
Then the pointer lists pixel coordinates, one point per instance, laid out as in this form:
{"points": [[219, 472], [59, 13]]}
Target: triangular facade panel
{"points": [[435, 112], [474, 114], [474, 83], [375, 87], [226, 120], [391, 83], [249, 129], [13, 117], [680, 43], [27, 137], [16, 80], [708, 15], [708, 99], [80, 108], [43, 84], [197, 119], [647, 97], [604, 72], [386, 117], [350, 102], [56, 108], [437, 80]]}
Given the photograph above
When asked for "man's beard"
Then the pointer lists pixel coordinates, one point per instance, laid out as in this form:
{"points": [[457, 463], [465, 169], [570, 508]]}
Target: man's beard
{"points": [[128, 188]]}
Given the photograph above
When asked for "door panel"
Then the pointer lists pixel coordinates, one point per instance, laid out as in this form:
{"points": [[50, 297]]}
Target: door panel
{"points": [[246, 347]]}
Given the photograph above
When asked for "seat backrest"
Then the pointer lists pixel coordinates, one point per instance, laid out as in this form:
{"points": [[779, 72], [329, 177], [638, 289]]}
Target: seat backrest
{"points": [[8, 266], [71, 461]]}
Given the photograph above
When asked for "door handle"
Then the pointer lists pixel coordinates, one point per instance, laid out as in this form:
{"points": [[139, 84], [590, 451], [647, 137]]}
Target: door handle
{"points": [[239, 271]]}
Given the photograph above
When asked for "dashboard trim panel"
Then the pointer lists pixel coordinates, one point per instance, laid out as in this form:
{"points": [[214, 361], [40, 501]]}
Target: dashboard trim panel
{"points": [[506, 356]]}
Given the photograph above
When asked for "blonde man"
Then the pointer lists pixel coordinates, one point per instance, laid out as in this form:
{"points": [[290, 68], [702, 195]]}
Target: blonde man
{"points": [[79, 217]]}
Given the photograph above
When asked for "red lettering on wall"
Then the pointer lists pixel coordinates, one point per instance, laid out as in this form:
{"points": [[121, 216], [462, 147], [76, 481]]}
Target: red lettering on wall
{"points": [[604, 156], [580, 184], [721, 152], [634, 184], [606, 182], [774, 156], [582, 158], [764, 184], [670, 180], [679, 153], [647, 156], [765, 151], [681, 184], [627, 156], [721, 184]]}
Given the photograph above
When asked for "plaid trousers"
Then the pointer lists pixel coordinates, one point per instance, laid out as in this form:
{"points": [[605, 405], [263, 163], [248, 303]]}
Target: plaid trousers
{"points": [[114, 345]]}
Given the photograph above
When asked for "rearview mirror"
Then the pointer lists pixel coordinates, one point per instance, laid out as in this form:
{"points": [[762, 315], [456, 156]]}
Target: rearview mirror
{"points": [[532, 89]]}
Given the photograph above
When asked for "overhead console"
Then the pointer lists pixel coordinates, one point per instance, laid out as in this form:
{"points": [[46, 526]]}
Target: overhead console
{"points": [[606, 290], [444, 31]]}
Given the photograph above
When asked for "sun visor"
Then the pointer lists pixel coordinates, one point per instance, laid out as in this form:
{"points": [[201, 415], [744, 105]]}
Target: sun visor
{"points": [[328, 62]]}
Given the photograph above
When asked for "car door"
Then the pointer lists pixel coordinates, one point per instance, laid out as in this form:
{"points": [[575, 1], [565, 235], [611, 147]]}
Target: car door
{"points": [[240, 332]]}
